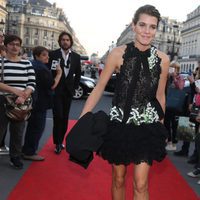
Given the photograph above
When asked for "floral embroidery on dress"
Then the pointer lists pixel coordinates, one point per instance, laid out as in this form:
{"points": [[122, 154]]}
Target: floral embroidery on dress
{"points": [[141, 110], [153, 59], [149, 115]]}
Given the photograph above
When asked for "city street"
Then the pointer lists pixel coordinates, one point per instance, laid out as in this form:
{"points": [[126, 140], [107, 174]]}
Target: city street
{"points": [[9, 177]]}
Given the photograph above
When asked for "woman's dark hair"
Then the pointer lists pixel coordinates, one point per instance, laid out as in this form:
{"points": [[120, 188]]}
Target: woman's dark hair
{"points": [[10, 38], [38, 50], [146, 9], [65, 33]]}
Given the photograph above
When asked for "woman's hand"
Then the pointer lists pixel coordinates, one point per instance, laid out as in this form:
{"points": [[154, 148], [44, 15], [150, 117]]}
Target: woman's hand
{"points": [[58, 70], [19, 93], [20, 100]]}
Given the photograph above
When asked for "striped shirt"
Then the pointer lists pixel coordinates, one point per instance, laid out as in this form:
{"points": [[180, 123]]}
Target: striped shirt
{"points": [[20, 74]]}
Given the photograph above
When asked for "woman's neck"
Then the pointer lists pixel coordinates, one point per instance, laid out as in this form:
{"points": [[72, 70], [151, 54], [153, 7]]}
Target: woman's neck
{"points": [[13, 58], [141, 47]]}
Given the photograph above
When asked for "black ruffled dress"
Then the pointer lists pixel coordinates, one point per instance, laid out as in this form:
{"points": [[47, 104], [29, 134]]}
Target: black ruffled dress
{"points": [[135, 134]]}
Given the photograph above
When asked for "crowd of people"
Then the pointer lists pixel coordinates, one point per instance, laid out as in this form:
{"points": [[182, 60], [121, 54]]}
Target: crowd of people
{"points": [[140, 129], [173, 115], [50, 80]]}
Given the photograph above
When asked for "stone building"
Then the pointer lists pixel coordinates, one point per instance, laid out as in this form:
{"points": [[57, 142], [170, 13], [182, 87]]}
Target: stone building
{"points": [[3, 14], [39, 22], [190, 49]]}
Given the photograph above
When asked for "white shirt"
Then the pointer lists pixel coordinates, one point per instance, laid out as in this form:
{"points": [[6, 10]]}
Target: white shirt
{"points": [[66, 57]]}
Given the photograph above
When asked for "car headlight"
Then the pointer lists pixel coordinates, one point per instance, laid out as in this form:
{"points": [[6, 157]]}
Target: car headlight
{"points": [[89, 84]]}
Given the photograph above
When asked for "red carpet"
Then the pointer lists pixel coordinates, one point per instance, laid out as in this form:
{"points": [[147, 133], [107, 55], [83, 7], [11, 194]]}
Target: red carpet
{"points": [[59, 179]]}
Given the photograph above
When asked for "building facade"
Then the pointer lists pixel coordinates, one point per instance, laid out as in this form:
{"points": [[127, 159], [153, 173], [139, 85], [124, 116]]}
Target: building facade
{"points": [[3, 14], [39, 22], [190, 49]]}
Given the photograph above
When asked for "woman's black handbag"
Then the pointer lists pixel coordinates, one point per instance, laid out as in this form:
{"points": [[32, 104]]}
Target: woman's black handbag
{"points": [[17, 112]]}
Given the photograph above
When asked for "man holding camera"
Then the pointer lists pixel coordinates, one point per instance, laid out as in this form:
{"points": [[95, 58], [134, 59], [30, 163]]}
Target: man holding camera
{"points": [[71, 67]]}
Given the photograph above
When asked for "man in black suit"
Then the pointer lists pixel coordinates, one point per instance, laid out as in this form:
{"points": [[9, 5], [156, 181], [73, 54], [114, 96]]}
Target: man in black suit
{"points": [[71, 66]]}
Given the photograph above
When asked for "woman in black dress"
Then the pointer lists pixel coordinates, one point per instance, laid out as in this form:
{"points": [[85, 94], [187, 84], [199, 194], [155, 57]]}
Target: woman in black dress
{"points": [[136, 131]]}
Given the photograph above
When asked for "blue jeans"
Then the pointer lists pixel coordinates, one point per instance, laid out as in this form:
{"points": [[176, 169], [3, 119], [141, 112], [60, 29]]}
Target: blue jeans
{"points": [[34, 130]]}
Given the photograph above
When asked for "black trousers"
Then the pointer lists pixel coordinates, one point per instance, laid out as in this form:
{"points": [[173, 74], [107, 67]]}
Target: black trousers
{"points": [[34, 131], [171, 124], [61, 108]]}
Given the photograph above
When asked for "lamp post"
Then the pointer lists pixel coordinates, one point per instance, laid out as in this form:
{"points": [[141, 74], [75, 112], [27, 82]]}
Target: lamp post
{"points": [[175, 27]]}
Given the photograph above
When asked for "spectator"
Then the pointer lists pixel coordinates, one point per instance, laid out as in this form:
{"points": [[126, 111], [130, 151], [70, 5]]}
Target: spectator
{"points": [[101, 67], [196, 172], [185, 147], [19, 79], [171, 118], [42, 101], [4, 150]]}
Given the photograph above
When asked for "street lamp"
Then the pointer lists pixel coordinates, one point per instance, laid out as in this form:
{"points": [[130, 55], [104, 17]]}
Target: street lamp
{"points": [[175, 27]]}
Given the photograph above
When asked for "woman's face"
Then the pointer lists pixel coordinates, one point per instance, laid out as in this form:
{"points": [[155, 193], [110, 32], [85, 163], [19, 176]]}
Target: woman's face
{"points": [[145, 30], [43, 57]]}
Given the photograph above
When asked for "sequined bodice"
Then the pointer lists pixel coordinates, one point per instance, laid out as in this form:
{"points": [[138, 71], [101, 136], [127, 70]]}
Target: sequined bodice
{"points": [[143, 70]]}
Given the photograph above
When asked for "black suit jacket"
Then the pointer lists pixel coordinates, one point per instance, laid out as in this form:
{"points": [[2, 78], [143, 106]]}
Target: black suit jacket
{"points": [[70, 82]]}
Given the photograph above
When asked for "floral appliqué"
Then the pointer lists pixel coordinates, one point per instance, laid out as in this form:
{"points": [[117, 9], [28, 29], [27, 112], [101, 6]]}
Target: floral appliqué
{"points": [[153, 59]]}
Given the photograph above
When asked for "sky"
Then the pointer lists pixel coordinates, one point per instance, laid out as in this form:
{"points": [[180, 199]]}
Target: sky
{"points": [[98, 23]]}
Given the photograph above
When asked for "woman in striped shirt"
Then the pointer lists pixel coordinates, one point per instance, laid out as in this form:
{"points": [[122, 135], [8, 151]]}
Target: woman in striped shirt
{"points": [[19, 79]]}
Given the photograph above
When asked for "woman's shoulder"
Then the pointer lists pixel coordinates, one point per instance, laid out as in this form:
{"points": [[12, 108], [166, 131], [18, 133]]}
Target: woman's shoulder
{"points": [[163, 56], [165, 61], [117, 51]]}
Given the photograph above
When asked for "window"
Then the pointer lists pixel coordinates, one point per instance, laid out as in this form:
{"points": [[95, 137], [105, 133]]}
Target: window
{"points": [[27, 31], [45, 32], [35, 42], [36, 31], [27, 41]]}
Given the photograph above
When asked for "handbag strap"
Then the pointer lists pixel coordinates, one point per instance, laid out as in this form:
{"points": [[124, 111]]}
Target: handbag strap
{"points": [[2, 69]]}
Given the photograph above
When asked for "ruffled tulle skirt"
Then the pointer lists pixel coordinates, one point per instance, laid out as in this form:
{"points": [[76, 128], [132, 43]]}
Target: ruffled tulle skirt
{"points": [[125, 144]]}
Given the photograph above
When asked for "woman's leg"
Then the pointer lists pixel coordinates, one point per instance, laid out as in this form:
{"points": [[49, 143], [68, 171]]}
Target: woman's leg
{"points": [[118, 182], [140, 181]]}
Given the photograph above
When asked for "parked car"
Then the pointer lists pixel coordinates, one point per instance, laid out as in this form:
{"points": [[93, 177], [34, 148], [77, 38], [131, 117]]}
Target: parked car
{"points": [[86, 86], [110, 87]]}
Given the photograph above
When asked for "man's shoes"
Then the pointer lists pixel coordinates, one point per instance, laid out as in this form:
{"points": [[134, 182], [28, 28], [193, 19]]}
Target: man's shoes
{"points": [[181, 153], [195, 173], [16, 162], [4, 150], [33, 157], [59, 148]]}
